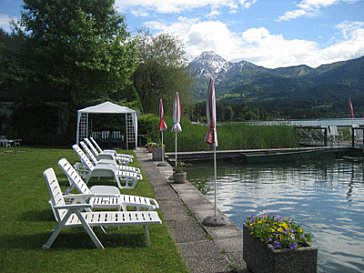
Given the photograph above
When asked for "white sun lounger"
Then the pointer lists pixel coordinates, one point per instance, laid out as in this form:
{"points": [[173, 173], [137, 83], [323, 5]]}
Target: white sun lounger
{"points": [[104, 196], [101, 151], [122, 158], [73, 215], [124, 179], [113, 162]]}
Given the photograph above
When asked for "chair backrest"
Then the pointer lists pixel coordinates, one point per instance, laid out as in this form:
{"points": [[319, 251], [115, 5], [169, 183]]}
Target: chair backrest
{"points": [[96, 145], [88, 152], [55, 192], [105, 135], [91, 146], [73, 177], [85, 161], [116, 135]]}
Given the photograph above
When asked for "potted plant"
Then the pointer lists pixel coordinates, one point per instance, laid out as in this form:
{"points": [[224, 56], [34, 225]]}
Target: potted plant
{"points": [[179, 174], [150, 146], [275, 244], [158, 152]]}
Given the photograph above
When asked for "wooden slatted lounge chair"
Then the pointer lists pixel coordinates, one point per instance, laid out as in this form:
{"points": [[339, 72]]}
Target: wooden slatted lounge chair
{"points": [[113, 162], [105, 196], [73, 215], [124, 179]]}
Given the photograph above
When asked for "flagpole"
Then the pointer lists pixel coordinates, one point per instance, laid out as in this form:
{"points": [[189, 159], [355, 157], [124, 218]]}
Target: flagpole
{"points": [[215, 175], [211, 139], [162, 147], [175, 149]]}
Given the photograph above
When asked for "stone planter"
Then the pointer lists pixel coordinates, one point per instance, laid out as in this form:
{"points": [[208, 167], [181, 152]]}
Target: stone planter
{"points": [[264, 259], [158, 153], [179, 177]]}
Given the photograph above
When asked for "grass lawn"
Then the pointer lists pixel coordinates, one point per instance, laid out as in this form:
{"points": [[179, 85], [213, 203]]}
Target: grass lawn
{"points": [[26, 222]]}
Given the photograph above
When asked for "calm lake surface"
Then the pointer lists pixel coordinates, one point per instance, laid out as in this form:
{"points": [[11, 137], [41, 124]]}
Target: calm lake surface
{"points": [[326, 198]]}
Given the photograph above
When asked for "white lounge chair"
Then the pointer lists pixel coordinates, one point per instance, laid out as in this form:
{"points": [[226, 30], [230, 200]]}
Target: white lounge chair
{"points": [[109, 154], [87, 170], [101, 151], [113, 162], [104, 196], [122, 159], [73, 215]]}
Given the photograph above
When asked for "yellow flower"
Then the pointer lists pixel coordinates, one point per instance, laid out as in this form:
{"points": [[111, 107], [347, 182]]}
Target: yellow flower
{"points": [[284, 225], [280, 229]]}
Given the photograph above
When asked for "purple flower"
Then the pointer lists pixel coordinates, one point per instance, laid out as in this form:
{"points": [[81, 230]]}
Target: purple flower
{"points": [[276, 245], [293, 245], [292, 236]]}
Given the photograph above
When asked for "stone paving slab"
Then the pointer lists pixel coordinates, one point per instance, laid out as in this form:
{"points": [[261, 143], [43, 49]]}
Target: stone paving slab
{"points": [[183, 208]]}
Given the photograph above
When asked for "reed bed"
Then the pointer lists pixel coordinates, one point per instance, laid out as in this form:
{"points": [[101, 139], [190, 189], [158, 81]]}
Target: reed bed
{"points": [[231, 136]]}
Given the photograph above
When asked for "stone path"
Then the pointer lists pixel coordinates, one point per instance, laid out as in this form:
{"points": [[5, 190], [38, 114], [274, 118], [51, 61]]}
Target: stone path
{"points": [[204, 249]]}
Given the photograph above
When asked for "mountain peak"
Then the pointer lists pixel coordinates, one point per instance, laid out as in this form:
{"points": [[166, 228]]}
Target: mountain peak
{"points": [[209, 64]]}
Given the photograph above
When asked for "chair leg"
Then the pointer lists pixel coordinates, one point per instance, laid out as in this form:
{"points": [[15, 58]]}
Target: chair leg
{"points": [[56, 231], [89, 230], [147, 236], [117, 180]]}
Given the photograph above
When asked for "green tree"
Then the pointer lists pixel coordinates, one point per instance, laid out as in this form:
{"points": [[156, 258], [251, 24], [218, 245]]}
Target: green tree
{"points": [[228, 113], [161, 72], [76, 46]]}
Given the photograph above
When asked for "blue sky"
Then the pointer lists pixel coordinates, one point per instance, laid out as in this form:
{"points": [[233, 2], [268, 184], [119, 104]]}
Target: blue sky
{"points": [[271, 33]]}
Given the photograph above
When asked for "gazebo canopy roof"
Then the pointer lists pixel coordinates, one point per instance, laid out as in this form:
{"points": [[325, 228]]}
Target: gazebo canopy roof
{"points": [[106, 108]]}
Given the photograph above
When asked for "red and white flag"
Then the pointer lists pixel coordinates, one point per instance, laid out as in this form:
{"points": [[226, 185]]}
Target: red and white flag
{"points": [[211, 135], [176, 115], [162, 123]]}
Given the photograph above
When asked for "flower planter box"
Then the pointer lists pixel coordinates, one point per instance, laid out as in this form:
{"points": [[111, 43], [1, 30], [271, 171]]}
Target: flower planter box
{"points": [[158, 153], [264, 259], [179, 177]]}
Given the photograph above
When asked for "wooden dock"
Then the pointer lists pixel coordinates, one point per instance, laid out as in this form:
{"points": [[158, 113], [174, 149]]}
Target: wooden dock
{"points": [[269, 155]]}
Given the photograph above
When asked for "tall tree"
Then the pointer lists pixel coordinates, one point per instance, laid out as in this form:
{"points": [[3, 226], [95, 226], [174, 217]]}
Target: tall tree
{"points": [[76, 46], [161, 71]]}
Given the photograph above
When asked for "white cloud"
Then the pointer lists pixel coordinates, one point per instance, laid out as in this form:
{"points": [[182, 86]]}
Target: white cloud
{"points": [[263, 48], [247, 4], [5, 22], [140, 13], [352, 45], [177, 6], [259, 46], [309, 8]]}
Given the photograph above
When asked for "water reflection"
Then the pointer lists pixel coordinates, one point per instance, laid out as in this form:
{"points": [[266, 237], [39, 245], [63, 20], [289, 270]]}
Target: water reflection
{"points": [[327, 198]]}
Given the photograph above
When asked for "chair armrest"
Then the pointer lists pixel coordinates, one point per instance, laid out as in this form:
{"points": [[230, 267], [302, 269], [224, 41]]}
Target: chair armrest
{"points": [[78, 196], [74, 206]]}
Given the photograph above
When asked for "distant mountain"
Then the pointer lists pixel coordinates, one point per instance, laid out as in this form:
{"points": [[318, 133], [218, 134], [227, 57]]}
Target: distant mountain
{"points": [[244, 81], [208, 65]]}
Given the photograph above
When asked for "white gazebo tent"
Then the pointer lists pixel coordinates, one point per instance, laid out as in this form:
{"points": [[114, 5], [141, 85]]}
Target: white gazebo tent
{"points": [[131, 121]]}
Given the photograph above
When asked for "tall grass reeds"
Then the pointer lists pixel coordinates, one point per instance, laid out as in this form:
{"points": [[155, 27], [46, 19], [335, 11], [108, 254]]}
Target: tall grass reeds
{"points": [[231, 136]]}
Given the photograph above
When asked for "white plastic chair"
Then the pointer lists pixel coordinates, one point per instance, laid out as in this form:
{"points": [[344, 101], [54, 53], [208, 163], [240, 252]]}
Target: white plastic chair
{"points": [[102, 170], [104, 196], [112, 160], [73, 215], [101, 151]]}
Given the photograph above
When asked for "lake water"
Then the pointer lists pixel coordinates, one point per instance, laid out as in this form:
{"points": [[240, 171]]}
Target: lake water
{"points": [[326, 198]]}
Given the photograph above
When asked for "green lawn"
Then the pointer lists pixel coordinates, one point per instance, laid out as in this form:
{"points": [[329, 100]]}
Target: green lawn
{"points": [[26, 222]]}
